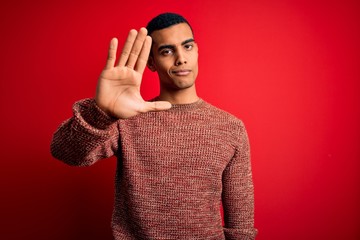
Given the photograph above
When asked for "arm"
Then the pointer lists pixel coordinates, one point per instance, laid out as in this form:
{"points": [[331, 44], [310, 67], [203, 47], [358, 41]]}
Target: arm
{"points": [[88, 136], [92, 133], [238, 194]]}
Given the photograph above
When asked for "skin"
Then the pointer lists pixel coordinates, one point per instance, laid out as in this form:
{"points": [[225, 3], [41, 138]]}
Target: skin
{"points": [[118, 88], [174, 59]]}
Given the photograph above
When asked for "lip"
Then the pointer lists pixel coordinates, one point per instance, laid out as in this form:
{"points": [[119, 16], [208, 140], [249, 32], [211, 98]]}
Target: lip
{"points": [[181, 72]]}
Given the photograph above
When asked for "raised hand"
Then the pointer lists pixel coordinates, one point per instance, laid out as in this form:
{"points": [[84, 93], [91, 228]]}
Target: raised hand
{"points": [[118, 89]]}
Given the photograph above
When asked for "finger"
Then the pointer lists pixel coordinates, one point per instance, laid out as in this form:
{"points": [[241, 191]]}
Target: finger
{"points": [[136, 48], [156, 106], [144, 55], [125, 53], [111, 54]]}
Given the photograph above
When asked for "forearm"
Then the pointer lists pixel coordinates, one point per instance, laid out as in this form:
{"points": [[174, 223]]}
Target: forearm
{"points": [[238, 194], [88, 136], [239, 214]]}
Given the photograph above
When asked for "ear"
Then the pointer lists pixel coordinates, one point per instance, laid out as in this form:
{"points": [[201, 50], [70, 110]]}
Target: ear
{"points": [[151, 64]]}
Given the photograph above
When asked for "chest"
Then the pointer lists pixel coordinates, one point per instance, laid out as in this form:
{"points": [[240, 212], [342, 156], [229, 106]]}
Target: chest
{"points": [[188, 144]]}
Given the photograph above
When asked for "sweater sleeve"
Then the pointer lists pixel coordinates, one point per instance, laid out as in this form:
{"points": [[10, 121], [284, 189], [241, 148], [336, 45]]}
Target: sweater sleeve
{"points": [[238, 193], [86, 137]]}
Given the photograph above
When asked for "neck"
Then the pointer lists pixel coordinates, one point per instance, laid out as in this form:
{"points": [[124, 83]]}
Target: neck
{"points": [[182, 96]]}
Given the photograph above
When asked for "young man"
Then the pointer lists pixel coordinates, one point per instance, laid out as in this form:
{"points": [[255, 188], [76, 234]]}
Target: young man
{"points": [[178, 156]]}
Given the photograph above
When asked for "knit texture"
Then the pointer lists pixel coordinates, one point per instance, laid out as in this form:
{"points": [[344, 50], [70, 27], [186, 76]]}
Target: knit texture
{"points": [[174, 168]]}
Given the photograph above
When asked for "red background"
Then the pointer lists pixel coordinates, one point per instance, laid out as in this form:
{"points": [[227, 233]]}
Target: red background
{"points": [[288, 69]]}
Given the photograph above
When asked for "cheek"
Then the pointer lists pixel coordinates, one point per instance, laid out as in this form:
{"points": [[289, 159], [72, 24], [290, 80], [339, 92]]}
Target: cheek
{"points": [[162, 63], [194, 58], [195, 63], [163, 70]]}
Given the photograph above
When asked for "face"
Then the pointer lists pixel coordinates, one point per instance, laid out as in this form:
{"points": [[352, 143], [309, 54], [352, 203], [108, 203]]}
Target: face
{"points": [[174, 57]]}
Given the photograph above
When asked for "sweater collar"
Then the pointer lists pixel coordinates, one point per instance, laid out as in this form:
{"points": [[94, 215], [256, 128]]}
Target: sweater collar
{"points": [[187, 106], [184, 107]]}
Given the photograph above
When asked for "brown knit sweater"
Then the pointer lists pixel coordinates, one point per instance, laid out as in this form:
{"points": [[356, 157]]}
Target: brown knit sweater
{"points": [[174, 168]]}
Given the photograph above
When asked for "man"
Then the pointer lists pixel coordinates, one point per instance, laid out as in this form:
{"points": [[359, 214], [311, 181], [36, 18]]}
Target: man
{"points": [[178, 156]]}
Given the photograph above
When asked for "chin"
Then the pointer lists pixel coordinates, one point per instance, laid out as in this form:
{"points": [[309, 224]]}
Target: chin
{"points": [[176, 84], [184, 85]]}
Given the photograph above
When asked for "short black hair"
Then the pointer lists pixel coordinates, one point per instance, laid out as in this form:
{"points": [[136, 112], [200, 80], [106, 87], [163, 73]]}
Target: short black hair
{"points": [[165, 20]]}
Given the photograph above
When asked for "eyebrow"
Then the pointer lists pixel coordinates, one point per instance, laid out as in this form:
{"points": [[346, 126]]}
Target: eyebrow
{"points": [[173, 46]]}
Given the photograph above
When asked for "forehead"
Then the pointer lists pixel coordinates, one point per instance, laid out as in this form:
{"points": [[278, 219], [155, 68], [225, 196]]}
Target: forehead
{"points": [[172, 35]]}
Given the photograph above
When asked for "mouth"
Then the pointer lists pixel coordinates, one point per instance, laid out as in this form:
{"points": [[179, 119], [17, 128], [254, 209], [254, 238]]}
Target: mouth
{"points": [[181, 72]]}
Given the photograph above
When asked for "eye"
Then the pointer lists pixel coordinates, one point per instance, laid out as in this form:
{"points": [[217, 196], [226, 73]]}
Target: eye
{"points": [[166, 52], [188, 47]]}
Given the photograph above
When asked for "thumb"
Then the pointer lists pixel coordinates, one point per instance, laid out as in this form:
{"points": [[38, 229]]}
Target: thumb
{"points": [[156, 106]]}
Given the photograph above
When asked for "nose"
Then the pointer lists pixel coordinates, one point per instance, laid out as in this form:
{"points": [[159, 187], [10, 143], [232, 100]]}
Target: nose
{"points": [[180, 58]]}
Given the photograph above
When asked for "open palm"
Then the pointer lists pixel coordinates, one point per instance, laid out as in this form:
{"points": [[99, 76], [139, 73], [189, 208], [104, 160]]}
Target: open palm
{"points": [[118, 89]]}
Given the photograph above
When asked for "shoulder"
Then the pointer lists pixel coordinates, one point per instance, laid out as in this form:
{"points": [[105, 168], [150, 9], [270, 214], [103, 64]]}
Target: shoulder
{"points": [[222, 115], [224, 120]]}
